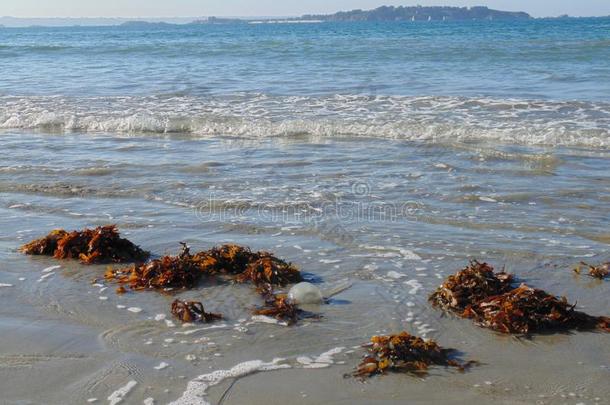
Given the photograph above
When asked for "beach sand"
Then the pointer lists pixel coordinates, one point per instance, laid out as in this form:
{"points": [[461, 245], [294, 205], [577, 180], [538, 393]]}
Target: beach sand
{"points": [[68, 340]]}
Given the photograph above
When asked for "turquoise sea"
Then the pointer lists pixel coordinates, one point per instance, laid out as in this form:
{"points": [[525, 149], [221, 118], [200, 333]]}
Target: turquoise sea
{"points": [[532, 82]]}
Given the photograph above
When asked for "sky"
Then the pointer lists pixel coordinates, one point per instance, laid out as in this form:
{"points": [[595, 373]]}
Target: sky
{"points": [[259, 8]]}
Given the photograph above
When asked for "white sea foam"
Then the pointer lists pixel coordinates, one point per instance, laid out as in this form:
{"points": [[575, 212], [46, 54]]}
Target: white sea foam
{"points": [[191, 331], [161, 366], [330, 261], [50, 269], [322, 361], [415, 286], [117, 396], [433, 119], [393, 251], [267, 319], [395, 275], [45, 276], [197, 388]]}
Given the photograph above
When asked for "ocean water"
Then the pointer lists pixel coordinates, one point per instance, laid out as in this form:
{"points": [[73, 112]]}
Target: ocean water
{"points": [[381, 156], [535, 82]]}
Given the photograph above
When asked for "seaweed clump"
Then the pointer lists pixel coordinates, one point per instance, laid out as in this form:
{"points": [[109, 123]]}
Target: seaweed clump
{"points": [[239, 263], [230, 258], [100, 245], [245, 265], [277, 306], [525, 309], [489, 299], [599, 272], [270, 270], [186, 269], [475, 282], [192, 311], [262, 269], [45, 246], [407, 354], [180, 271]]}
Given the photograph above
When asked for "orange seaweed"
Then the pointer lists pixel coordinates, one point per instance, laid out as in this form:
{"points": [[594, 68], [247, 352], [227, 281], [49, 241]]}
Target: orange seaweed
{"points": [[167, 272], [406, 353], [271, 270], [524, 310], [192, 311], [471, 284], [599, 272], [278, 306], [45, 246], [100, 245], [491, 300]]}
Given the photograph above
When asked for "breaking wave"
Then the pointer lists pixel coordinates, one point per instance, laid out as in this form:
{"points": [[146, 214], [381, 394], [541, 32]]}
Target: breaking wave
{"points": [[435, 119]]}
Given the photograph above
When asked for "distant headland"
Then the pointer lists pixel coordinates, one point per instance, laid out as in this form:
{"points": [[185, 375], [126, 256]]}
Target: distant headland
{"points": [[384, 13], [420, 13], [391, 13]]}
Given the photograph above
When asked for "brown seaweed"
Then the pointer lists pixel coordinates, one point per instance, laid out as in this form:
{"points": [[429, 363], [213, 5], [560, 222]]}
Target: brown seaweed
{"points": [[406, 353], [192, 311], [600, 272], [100, 245], [206, 262], [167, 272], [488, 298], [245, 265], [231, 259], [45, 246], [524, 310], [278, 306], [239, 263], [269, 269], [262, 269], [472, 284], [185, 269]]}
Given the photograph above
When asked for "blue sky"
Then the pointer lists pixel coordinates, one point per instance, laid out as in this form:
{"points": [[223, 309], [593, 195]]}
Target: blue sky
{"points": [[188, 8]]}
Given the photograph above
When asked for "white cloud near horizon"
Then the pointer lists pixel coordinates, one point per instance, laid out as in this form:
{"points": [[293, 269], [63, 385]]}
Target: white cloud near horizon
{"points": [[250, 8]]}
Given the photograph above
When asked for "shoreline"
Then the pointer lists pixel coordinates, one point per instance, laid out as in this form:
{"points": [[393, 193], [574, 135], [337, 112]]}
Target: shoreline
{"points": [[393, 263]]}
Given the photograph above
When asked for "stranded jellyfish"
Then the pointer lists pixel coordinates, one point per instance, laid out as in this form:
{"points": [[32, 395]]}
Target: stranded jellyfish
{"points": [[305, 293]]}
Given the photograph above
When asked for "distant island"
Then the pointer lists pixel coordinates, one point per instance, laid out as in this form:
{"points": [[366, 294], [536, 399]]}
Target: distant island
{"points": [[145, 24], [201, 21], [384, 13], [389, 13], [420, 13], [218, 20]]}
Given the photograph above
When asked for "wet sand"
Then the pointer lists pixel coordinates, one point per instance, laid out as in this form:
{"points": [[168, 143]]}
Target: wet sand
{"points": [[66, 339]]}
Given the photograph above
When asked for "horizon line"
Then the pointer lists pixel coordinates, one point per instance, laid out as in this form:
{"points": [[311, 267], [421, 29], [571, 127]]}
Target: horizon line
{"points": [[230, 16], [327, 13]]}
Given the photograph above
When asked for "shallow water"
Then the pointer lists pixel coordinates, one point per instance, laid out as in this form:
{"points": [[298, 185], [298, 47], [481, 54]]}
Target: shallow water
{"points": [[384, 156], [537, 59], [391, 217], [539, 82]]}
